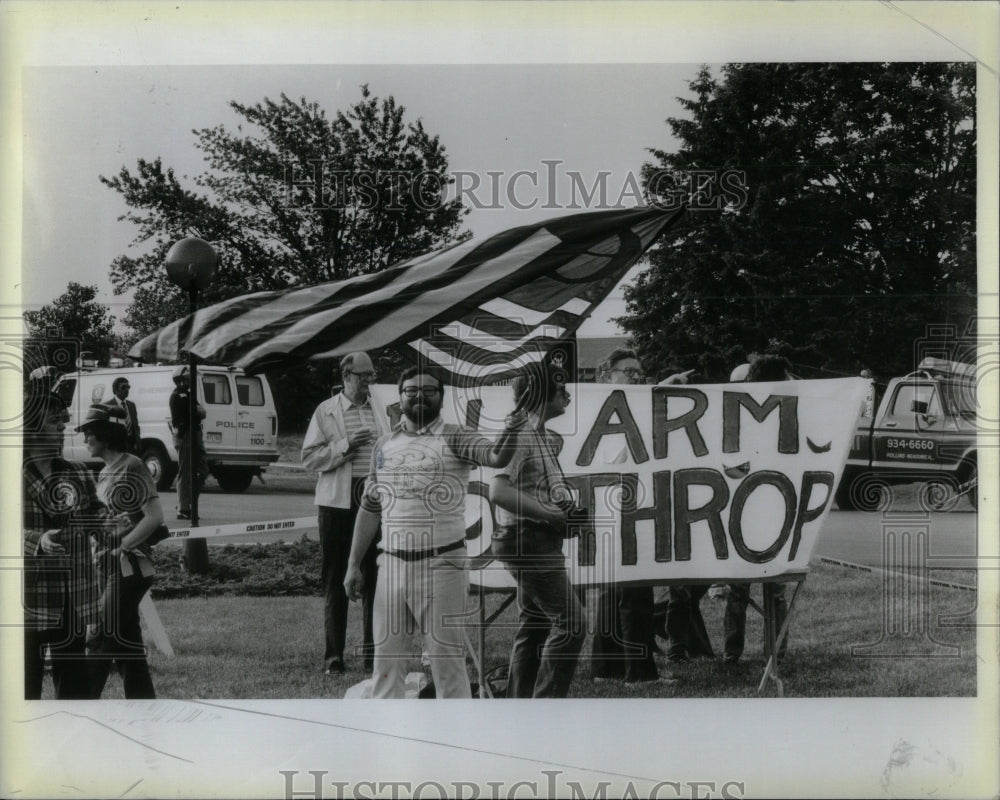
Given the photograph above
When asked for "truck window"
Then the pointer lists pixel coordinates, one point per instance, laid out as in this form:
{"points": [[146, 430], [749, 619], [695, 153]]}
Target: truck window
{"points": [[249, 391], [916, 398], [216, 389]]}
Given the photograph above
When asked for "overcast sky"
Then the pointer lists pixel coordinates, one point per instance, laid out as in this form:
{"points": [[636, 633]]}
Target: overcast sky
{"points": [[82, 122]]}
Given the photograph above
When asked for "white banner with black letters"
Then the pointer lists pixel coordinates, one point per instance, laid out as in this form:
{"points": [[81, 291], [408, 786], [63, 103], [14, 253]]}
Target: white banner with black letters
{"points": [[717, 482]]}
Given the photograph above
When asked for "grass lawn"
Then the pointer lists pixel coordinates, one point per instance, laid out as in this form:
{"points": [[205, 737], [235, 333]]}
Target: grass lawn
{"points": [[271, 647], [252, 629]]}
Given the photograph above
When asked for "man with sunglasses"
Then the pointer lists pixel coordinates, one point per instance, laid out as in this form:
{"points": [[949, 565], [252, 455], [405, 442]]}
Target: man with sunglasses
{"points": [[338, 445], [416, 487]]}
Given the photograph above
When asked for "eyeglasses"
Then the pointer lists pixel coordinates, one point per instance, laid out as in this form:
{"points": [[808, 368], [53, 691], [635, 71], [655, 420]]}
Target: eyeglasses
{"points": [[426, 391], [631, 372], [365, 376]]}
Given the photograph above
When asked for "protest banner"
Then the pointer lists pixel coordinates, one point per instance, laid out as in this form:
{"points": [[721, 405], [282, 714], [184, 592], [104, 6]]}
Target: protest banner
{"points": [[722, 482]]}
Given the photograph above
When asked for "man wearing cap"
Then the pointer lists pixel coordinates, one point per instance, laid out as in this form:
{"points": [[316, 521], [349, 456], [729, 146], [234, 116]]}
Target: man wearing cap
{"points": [[338, 446], [416, 487], [60, 508], [187, 442], [121, 388]]}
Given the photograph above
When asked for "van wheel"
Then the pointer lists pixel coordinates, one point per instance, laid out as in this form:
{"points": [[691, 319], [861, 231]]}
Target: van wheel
{"points": [[234, 479], [159, 465]]}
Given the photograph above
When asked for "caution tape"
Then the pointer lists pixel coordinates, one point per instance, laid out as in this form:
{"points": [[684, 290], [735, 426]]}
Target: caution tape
{"points": [[243, 528]]}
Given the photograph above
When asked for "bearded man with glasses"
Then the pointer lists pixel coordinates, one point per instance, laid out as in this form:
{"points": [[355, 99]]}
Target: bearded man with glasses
{"points": [[416, 487], [338, 445]]}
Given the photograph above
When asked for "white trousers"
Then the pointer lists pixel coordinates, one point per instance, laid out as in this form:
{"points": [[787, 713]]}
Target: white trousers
{"points": [[428, 596]]}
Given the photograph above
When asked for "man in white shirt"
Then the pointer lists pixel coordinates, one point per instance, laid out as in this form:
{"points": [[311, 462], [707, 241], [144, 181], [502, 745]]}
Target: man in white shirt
{"points": [[417, 486], [338, 446]]}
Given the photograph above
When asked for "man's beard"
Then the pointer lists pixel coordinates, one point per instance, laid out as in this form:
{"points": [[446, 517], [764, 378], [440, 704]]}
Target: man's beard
{"points": [[420, 413]]}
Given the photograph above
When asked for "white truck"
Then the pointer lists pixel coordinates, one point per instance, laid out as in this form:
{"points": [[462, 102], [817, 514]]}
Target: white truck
{"points": [[240, 427], [923, 432]]}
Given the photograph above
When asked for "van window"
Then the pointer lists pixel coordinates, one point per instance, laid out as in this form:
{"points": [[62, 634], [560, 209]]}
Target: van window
{"points": [[916, 398], [249, 391], [216, 389]]}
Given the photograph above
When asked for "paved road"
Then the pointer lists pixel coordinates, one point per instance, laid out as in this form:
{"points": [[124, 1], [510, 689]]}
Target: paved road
{"points": [[851, 536]]}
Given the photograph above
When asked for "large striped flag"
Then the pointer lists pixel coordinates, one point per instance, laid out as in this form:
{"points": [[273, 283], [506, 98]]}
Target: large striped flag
{"points": [[478, 311]]}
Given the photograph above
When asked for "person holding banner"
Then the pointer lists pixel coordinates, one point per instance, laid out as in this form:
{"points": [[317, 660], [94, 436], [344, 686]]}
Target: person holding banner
{"points": [[624, 639], [338, 446], [416, 487], [535, 512], [763, 368]]}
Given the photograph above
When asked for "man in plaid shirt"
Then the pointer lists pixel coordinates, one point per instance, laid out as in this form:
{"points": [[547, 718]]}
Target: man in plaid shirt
{"points": [[61, 593]]}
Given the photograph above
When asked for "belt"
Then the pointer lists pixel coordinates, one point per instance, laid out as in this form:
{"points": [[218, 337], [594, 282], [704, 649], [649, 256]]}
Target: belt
{"points": [[420, 555]]}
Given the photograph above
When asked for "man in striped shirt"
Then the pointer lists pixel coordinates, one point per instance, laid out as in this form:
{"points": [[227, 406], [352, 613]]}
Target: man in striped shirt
{"points": [[338, 445], [416, 488]]}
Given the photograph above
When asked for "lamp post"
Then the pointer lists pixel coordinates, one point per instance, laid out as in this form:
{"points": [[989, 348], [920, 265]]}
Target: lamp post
{"points": [[191, 264]]}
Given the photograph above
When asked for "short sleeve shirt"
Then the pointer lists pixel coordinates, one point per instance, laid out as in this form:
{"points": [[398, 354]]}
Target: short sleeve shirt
{"points": [[125, 486], [535, 471], [418, 483]]}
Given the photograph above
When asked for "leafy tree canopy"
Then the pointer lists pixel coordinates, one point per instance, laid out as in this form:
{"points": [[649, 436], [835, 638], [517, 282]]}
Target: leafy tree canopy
{"points": [[289, 198], [853, 233], [70, 324], [295, 199]]}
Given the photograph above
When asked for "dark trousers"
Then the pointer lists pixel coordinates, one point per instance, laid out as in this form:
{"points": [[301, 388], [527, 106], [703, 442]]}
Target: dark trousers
{"points": [[66, 644], [119, 638], [685, 625], [735, 620], [624, 635], [184, 488], [550, 633], [336, 532]]}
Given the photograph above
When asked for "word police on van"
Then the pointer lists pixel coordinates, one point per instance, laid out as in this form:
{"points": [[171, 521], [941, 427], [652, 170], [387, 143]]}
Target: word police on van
{"points": [[240, 427]]}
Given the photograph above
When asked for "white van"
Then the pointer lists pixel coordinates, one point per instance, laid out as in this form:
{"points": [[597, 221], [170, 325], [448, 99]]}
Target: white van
{"points": [[240, 429]]}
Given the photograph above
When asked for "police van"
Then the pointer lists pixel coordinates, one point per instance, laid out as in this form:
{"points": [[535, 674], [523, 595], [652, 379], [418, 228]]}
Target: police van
{"points": [[240, 427]]}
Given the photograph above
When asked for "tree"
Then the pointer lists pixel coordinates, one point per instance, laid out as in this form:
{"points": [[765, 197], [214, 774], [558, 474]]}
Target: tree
{"points": [[848, 228], [296, 199], [72, 323]]}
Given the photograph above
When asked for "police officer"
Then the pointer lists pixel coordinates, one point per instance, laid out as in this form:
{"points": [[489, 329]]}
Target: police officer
{"points": [[187, 441]]}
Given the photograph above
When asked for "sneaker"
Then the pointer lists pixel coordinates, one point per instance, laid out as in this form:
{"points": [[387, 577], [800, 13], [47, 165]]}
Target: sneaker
{"points": [[183, 515]]}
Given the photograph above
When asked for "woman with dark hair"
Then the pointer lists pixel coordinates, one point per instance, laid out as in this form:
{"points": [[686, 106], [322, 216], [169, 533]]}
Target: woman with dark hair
{"points": [[59, 506], [534, 507], [125, 556]]}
